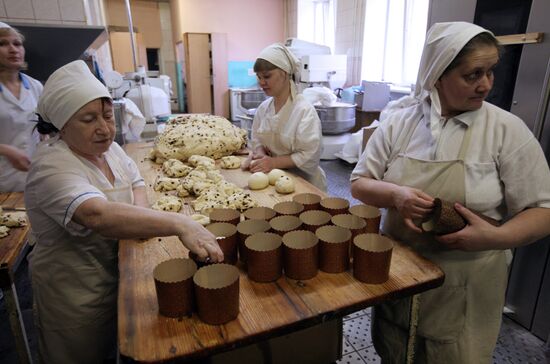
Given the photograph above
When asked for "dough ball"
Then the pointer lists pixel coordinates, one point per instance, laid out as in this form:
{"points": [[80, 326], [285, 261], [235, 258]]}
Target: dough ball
{"points": [[274, 175], [166, 184], [201, 219], [176, 168], [182, 191], [230, 162], [285, 184], [4, 231], [13, 219], [258, 181], [200, 160], [167, 203]]}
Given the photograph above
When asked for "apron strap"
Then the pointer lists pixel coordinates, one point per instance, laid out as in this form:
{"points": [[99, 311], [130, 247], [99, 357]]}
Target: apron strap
{"points": [[465, 143]]}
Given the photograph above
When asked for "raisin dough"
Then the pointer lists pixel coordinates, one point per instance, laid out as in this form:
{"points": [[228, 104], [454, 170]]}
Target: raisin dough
{"points": [[205, 135], [4, 231], [258, 181], [274, 175], [201, 219], [167, 203], [284, 184], [13, 219], [166, 184], [175, 168], [200, 160], [230, 162]]}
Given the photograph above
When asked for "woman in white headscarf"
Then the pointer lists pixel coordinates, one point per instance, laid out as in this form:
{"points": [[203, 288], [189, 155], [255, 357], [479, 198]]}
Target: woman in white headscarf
{"points": [[452, 144], [83, 193], [18, 98], [286, 131]]}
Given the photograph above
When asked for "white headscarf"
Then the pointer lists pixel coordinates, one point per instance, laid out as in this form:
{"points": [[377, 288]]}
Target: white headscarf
{"points": [[443, 43], [67, 90], [4, 25], [279, 55]]}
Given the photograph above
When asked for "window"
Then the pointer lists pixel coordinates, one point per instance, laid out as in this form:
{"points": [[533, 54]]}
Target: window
{"points": [[394, 37], [316, 21]]}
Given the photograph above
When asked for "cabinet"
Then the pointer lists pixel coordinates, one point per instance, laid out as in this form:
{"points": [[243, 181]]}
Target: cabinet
{"points": [[121, 51], [205, 58]]}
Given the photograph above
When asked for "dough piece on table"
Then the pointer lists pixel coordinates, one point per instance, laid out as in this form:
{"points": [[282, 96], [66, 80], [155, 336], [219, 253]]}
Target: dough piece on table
{"points": [[201, 219], [284, 184], [200, 160], [156, 157], [230, 162], [200, 185], [176, 168], [4, 231], [182, 191], [13, 219], [167, 203], [274, 175], [228, 188], [166, 184], [241, 201], [214, 176], [258, 181]]}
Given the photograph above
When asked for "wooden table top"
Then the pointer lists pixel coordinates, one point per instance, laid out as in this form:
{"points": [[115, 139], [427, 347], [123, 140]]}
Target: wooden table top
{"points": [[266, 309], [11, 245]]}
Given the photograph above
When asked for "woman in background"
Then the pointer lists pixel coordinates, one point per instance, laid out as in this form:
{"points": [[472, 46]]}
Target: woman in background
{"points": [[18, 99], [286, 131]]}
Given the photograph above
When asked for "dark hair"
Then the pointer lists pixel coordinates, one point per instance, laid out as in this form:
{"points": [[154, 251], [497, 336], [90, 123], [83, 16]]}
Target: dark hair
{"points": [[261, 65], [45, 128], [481, 40]]}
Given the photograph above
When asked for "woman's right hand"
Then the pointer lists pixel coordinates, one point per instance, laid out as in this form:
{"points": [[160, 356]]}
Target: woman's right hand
{"points": [[17, 157], [412, 203], [200, 241]]}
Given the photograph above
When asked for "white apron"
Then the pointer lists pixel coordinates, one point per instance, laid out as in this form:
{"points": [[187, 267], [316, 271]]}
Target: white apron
{"points": [[16, 129], [84, 330], [273, 138], [459, 321]]}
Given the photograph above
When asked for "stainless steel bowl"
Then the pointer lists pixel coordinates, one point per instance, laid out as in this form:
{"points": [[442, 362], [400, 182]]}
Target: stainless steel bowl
{"points": [[336, 119], [251, 99]]}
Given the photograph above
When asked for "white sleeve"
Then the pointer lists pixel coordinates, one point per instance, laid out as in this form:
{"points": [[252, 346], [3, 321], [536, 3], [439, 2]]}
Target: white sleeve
{"points": [[307, 148], [60, 192]]}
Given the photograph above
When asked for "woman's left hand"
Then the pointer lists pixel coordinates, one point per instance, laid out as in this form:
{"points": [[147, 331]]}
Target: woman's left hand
{"points": [[263, 164], [476, 236]]}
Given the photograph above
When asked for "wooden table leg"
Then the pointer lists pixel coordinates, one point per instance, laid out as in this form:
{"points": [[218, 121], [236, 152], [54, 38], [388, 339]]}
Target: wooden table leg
{"points": [[15, 317], [413, 323]]}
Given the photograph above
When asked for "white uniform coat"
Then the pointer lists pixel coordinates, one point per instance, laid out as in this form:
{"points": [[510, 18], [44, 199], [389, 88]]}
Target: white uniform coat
{"points": [[74, 270], [16, 129], [296, 131], [486, 159]]}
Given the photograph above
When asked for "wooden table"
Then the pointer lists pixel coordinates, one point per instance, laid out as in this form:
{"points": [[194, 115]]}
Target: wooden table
{"points": [[266, 309], [12, 249]]}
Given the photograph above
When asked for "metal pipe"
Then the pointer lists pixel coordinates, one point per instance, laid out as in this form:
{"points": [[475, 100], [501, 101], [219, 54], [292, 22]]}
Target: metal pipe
{"points": [[131, 30]]}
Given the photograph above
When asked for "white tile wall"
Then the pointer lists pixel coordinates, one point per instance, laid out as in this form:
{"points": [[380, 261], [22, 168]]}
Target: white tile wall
{"points": [[72, 11], [2, 9], [46, 10], [19, 9]]}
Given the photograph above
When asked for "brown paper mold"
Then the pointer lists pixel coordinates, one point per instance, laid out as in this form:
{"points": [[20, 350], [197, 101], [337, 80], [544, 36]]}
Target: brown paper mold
{"points": [[334, 242], [245, 229], [444, 219], [314, 219], [226, 235], [288, 208], [231, 216], [264, 257], [283, 224], [372, 258], [371, 215], [355, 224], [174, 286], [300, 254], [311, 201], [259, 213], [335, 205], [217, 293]]}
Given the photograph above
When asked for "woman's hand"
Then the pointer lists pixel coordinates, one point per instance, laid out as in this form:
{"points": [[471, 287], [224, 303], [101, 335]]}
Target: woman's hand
{"points": [[200, 241], [477, 235], [412, 203], [259, 153], [263, 164], [16, 157]]}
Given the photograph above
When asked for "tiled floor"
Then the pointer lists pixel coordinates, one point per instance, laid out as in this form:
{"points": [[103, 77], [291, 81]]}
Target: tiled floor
{"points": [[515, 344]]}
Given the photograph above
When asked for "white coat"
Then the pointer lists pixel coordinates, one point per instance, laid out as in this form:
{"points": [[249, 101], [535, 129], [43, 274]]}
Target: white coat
{"points": [[16, 129], [74, 270], [296, 131]]}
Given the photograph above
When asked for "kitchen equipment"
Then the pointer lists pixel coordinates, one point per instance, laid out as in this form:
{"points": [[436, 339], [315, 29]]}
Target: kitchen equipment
{"points": [[119, 109], [246, 123], [243, 99], [251, 99], [336, 119]]}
